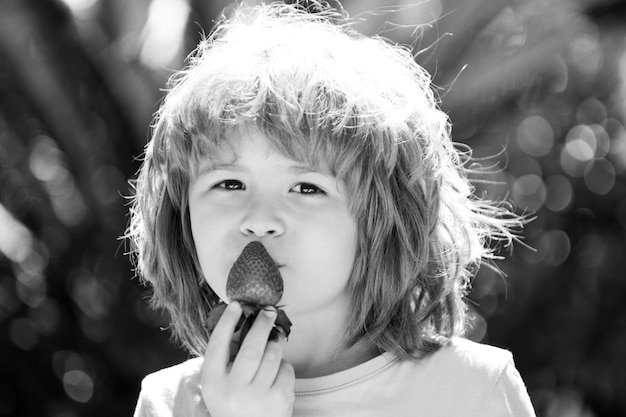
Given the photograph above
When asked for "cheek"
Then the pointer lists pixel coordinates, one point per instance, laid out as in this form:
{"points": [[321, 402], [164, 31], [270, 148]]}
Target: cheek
{"points": [[213, 269], [207, 239], [338, 243]]}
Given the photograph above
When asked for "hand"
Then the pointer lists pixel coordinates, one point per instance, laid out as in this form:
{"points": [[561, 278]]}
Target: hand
{"points": [[258, 382]]}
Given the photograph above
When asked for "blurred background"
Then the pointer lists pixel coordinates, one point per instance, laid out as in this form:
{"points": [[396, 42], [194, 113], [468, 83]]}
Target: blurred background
{"points": [[537, 87]]}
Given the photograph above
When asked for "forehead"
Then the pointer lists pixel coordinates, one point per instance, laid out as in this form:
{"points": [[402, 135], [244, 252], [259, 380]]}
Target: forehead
{"points": [[250, 140]]}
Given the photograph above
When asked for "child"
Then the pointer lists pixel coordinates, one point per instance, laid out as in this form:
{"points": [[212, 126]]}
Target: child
{"points": [[327, 147]]}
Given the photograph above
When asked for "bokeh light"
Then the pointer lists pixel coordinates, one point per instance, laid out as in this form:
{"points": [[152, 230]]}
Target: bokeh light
{"points": [[617, 148], [91, 295], [163, 33], [47, 164], [535, 136], [23, 333], [78, 385], [600, 176], [555, 247], [559, 193], [591, 111], [17, 241], [581, 143], [585, 53], [529, 192], [47, 316], [31, 288]]}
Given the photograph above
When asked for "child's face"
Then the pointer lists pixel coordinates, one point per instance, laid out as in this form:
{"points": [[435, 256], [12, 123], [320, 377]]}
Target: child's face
{"points": [[300, 214]]}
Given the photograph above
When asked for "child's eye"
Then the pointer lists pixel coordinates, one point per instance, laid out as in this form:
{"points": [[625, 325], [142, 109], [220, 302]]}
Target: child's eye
{"points": [[307, 188], [230, 185]]}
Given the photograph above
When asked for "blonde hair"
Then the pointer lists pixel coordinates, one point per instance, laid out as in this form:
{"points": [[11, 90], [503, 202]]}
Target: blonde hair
{"points": [[322, 93]]}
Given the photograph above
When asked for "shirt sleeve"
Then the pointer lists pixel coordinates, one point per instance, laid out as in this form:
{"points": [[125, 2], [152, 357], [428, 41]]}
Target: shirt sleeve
{"points": [[510, 397], [151, 402], [171, 393], [142, 408]]}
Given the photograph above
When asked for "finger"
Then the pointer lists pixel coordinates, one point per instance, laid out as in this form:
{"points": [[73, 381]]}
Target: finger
{"points": [[218, 349], [253, 346], [285, 379], [268, 370]]}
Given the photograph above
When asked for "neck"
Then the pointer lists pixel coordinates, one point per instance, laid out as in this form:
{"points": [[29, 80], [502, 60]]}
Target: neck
{"points": [[316, 346]]}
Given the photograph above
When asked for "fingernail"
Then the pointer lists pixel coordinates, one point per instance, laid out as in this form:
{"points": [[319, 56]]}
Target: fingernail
{"points": [[282, 337], [234, 306], [269, 313], [278, 335]]}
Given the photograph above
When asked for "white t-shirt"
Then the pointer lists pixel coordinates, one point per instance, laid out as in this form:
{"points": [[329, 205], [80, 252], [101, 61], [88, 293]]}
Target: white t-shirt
{"points": [[461, 379]]}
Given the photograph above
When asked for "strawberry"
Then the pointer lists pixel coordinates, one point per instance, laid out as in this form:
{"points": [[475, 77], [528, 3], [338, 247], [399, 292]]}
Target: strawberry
{"points": [[255, 278], [254, 281]]}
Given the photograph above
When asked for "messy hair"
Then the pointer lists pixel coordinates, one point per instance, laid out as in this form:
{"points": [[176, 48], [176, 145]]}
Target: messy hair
{"points": [[322, 93]]}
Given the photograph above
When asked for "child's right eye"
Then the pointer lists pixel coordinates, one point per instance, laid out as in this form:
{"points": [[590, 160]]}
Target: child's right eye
{"points": [[230, 185]]}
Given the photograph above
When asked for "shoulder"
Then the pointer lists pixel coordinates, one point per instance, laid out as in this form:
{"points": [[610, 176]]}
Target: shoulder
{"points": [[466, 367], [171, 389], [468, 356], [165, 378], [481, 377]]}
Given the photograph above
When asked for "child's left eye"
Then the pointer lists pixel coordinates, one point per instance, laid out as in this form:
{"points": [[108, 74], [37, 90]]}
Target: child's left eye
{"points": [[307, 188]]}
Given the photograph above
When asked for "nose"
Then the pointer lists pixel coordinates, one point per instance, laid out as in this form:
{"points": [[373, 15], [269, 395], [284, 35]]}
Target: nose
{"points": [[262, 219]]}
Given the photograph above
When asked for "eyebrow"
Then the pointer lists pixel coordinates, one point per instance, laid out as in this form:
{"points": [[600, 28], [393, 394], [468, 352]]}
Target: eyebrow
{"points": [[306, 169], [208, 168]]}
